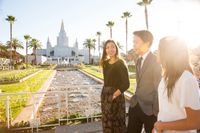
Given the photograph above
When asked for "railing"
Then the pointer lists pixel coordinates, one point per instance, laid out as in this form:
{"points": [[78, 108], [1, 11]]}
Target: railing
{"points": [[6, 67], [36, 108]]}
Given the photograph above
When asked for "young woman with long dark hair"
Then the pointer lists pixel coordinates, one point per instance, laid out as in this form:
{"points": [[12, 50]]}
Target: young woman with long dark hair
{"points": [[116, 81]]}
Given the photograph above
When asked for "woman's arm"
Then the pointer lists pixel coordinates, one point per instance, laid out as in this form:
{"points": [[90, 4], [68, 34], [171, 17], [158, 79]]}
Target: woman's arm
{"points": [[191, 122]]}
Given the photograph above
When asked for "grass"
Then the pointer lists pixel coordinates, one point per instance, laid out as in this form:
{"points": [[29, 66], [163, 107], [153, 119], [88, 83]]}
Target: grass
{"points": [[33, 84], [6, 71], [16, 75], [97, 72]]}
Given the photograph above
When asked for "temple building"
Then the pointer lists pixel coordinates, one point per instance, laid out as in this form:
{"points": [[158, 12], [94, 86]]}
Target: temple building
{"points": [[62, 53]]}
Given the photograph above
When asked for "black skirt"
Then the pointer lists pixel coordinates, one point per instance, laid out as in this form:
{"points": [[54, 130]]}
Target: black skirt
{"points": [[113, 111]]}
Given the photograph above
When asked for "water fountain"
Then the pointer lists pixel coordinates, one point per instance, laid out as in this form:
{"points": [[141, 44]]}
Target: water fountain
{"points": [[71, 92]]}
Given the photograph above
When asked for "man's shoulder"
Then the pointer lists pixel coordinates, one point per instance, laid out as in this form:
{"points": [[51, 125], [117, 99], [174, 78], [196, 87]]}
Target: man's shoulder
{"points": [[152, 57]]}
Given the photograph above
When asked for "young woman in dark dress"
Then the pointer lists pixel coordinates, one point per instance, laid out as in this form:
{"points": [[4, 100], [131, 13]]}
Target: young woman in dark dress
{"points": [[116, 81]]}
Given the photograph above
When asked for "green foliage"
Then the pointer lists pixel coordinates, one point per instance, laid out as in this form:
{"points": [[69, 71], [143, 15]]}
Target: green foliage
{"points": [[131, 68], [15, 76], [21, 124]]}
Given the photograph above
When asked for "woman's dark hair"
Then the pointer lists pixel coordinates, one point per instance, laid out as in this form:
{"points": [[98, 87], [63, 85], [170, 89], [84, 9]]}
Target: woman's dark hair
{"points": [[104, 57], [174, 58]]}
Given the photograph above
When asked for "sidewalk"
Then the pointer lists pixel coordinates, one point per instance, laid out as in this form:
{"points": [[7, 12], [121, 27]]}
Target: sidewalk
{"points": [[93, 127]]}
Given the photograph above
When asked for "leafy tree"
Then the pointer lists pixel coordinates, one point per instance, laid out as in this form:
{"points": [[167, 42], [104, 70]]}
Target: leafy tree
{"points": [[90, 44], [27, 38], [11, 20], [35, 44]]}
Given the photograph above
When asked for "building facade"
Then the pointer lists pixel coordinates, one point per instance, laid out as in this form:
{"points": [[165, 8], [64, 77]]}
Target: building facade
{"points": [[62, 53]]}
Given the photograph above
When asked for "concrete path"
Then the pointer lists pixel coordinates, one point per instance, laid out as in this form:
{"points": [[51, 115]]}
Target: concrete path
{"points": [[93, 127]]}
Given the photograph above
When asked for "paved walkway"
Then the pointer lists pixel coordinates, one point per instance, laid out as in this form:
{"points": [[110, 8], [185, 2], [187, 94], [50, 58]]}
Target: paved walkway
{"points": [[93, 127]]}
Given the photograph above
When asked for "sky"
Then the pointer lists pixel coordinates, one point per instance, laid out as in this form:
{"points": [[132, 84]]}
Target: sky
{"points": [[83, 18]]}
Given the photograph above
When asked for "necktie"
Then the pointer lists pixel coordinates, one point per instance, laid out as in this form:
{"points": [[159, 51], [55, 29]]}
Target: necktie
{"points": [[139, 62]]}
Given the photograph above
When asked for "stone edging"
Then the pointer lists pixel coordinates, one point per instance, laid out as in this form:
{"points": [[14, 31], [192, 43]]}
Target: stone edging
{"points": [[91, 76], [31, 75]]}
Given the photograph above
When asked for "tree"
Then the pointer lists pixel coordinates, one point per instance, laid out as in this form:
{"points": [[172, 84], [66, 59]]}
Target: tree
{"points": [[145, 3], [3, 51], [126, 15], [11, 20], [99, 40], [94, 40], [132, 56], [35, 44], [2, 47], [16, 44], [119, 45], [110, 24], [27, 38], [89, 43]]}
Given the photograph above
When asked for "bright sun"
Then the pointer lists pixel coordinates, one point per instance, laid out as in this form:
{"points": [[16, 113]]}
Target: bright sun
{"points": [[189, 26]]}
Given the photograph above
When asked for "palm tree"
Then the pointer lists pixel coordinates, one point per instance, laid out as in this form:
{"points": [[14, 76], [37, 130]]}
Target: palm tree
{"points": [[99, 40], [89, 43], [2, 47], [119, 45], [126, 15], [94, 40], [27, 38], [145, 3], [35, 44], [3, 51], [15, 45], [110, 24], [11, 20]]}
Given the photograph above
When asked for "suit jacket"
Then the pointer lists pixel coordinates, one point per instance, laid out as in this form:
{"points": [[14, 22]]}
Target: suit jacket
{"points": [[148, 79]]}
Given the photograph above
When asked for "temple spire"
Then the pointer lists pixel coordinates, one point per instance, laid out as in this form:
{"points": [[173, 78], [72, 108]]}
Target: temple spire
{"points": [[62, 26], [62, 39], [48, 40], [48, 43], [76, 43]]}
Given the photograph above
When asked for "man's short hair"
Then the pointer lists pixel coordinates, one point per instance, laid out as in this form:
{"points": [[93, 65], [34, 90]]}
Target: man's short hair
{"points": [[145, 35]]}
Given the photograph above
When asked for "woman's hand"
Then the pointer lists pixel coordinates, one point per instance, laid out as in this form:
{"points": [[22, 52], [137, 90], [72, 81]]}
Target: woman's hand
{"points": [[157, 127], [113, 97], [116, 94]]}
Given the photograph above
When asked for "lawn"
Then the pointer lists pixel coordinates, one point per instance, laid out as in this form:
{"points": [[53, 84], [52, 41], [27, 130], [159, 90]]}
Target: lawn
{"points": [[11, 76], [32, 84]]}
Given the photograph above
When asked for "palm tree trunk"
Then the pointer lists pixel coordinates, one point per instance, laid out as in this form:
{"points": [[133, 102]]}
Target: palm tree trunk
{"points": [[34, 56], [14, 56], [110, 32], [126, 35], [146, 17], [89, 55], [10, 44], [99, 46], [26, 54]]}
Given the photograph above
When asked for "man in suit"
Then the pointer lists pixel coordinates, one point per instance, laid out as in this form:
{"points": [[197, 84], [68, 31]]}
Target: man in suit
{"points": [[144, 103]]}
